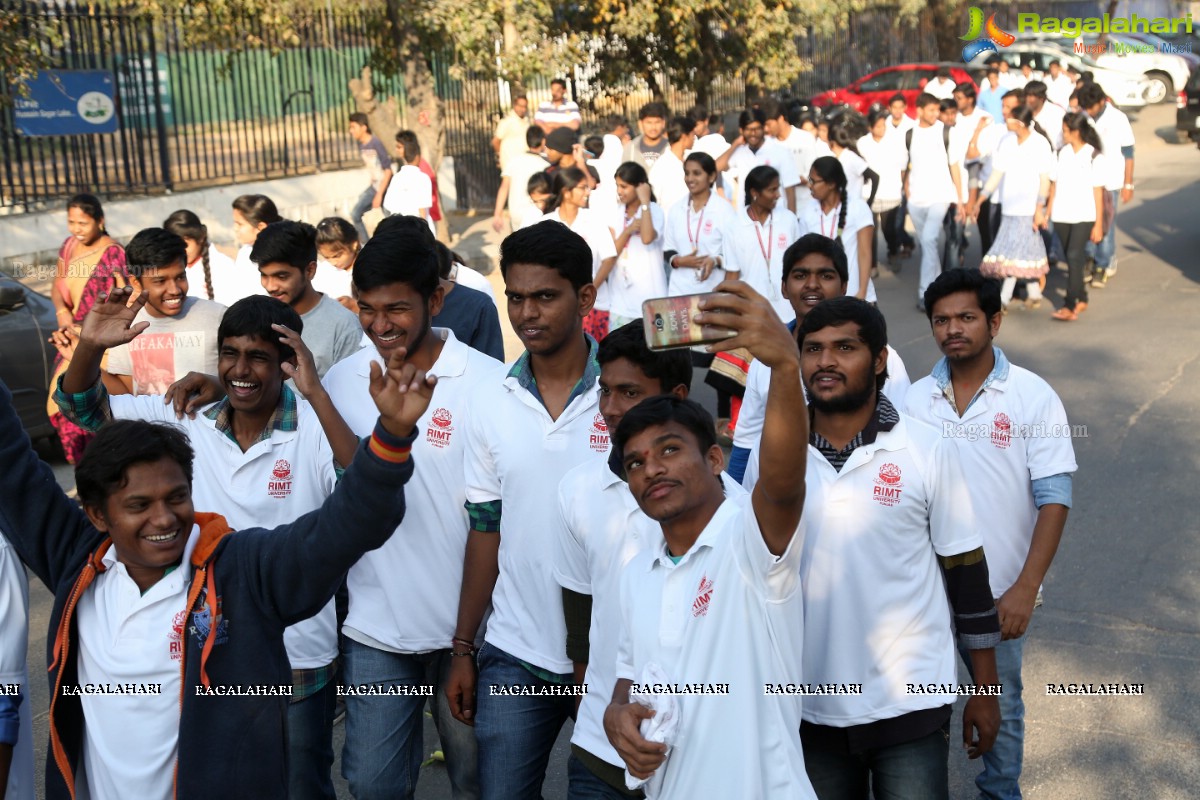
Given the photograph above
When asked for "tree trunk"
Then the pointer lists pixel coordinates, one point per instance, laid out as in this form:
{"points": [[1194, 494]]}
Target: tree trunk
{"points": [[423, 109], [948, 24]]}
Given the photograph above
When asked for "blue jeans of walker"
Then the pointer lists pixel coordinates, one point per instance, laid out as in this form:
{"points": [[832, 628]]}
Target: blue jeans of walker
{"points": [[384, 733], [582, 784], [914, 770], [1001, 776], [516, 732], [1103, 253], [361, 207], [310, 745]]}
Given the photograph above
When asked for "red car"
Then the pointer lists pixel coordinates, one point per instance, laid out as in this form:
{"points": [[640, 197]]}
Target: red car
{"points": [[879, 86]]}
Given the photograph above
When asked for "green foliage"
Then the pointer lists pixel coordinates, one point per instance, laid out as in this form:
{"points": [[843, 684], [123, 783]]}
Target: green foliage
{"points": [[25, 45], [696, 40]]}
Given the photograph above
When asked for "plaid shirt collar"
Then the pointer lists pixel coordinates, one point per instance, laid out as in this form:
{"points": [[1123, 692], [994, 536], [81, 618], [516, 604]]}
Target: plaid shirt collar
{"points": [[283, 418], [941, 376], [522, 370], [884, 420]]}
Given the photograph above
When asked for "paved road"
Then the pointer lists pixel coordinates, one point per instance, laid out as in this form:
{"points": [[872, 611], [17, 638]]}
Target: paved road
{"points": [[1121, 597]]}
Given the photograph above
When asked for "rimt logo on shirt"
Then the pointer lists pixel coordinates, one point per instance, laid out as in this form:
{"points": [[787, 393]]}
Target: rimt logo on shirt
{"points": [[175, 637], [598, 438], [440, 428], [703, 597], [888, 485], [280, 483], [1002, 430]]}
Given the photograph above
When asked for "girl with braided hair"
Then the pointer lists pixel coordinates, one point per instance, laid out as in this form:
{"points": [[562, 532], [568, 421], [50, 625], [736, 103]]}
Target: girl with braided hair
{"points": [[202, 257], [835, 213]]}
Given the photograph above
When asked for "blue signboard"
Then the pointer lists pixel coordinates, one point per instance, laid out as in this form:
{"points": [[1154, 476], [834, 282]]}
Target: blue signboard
{"points": [[67, 103]]}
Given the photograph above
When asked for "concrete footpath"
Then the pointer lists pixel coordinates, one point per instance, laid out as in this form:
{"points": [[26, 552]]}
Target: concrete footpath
{"points": [[1122, 594]]}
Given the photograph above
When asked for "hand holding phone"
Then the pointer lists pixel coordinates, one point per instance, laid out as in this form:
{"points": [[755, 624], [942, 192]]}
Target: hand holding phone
{"points": [[669, 323]]}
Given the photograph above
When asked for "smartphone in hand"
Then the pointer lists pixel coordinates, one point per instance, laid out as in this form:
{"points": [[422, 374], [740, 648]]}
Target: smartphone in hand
{"points": [[669, 322]]}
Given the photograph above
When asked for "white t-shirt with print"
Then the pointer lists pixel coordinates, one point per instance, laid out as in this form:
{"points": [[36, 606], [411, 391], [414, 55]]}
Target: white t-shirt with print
{"points": [[770, 154], [518, 463], [875, 606], [703, 232], [129, 637], [170, 347], [755, 251], [404, 595], [276, 480], [1014, 433], [639, 273], [602, 530], [748, 433], [858, 216], [730, 612]]}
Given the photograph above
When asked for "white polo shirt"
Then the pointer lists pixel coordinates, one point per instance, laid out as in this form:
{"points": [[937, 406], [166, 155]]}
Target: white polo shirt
{"points": [[639, 273], [130, 741], [602, 530], [1115, 133], [755, 251], [858, 216], [410, 192], [590, 224], [666, 178], [854, 166], [271, 484], [730, 612], [14, 645], [703, 232], [875, 606], [771, 154], [1015, 432], [1076, 176], [515, 453], [404, 595], [906, 123], [754, 406]]}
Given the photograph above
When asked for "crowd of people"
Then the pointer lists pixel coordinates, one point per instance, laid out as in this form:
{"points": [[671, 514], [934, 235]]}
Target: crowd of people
{"points": [[560, 537]]}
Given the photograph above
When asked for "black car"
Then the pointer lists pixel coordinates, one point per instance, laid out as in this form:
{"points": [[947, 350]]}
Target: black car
{"points": [[1187, 115], [26, 357]]}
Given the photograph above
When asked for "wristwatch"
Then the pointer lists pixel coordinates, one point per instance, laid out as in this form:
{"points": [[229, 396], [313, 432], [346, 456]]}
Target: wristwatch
{"points": [[646, 206], [1128, 186]]}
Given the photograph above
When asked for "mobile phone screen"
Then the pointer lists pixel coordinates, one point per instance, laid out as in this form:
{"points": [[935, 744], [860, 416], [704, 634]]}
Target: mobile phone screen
{"points": [[669, 323]]}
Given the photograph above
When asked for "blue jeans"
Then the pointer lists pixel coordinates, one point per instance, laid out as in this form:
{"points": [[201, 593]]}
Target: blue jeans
{"points": [[310, 745], [1103, 253], [515, 733], [361, 207], [582, 784], [914, 770], [1001, 776], [384, 733]]}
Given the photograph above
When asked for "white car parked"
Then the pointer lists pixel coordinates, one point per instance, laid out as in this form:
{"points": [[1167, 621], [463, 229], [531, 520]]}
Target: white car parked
{"points": [[1126, 90], [1165, 72]]}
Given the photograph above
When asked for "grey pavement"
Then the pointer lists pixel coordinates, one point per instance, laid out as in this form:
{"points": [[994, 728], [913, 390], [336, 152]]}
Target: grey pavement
{"points": [[1122, 594]]}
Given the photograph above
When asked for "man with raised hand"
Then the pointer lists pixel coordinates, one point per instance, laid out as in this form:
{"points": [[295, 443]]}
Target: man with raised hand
{"points": [[153, 595], [716, 601]]}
